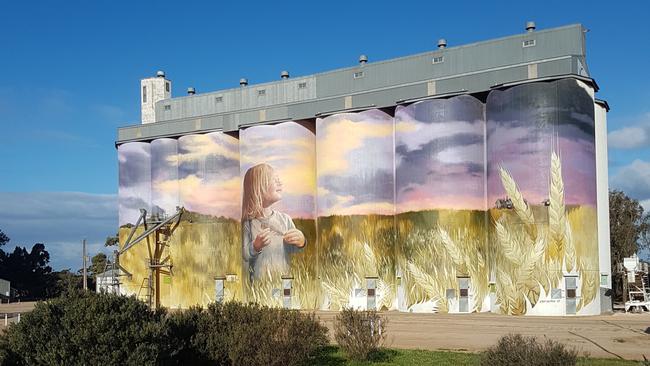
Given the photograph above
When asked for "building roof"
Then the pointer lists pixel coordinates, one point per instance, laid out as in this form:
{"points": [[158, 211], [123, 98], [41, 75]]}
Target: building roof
{"points": [[467, 69], [109, 273]]}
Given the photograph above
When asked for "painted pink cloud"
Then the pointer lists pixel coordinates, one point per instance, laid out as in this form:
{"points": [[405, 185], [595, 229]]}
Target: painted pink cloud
{"points": [[526, 124], [208, 173], [354, 161], [440, 155]]}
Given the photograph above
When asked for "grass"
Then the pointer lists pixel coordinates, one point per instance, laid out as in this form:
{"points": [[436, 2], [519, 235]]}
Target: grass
{"points": [[333, 356]]}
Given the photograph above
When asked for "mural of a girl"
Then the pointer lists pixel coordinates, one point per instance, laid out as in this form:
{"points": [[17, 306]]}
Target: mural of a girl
{"points": [[269, 236]]}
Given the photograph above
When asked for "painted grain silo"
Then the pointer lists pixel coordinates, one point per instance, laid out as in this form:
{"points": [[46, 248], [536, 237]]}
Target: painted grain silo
{"points": [[440, 202], [282, 271], [354, 165], [542, 190], [444, 181]]}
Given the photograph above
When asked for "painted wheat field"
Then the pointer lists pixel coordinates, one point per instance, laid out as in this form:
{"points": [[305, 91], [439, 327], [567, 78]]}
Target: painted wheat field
{"points": [[516, 256], [201, 249], [534, 247]]}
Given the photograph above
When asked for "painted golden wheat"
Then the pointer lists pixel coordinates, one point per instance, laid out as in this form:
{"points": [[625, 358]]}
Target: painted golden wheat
{"points": [[524, 251], [529, 254]]}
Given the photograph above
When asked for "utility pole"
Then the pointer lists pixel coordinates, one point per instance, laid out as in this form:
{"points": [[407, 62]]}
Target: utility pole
{"points": [[85, 274]]}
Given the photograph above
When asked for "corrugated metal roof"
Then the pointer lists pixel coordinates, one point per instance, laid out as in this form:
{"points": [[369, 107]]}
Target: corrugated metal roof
{"points": [[472, 68]]}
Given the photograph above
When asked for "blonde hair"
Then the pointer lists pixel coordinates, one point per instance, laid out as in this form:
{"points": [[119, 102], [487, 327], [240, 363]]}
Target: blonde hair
{"points": [[256, 181]]}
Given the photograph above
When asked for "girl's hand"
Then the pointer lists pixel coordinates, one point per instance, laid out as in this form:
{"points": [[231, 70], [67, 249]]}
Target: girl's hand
{"points": [[262, 239], [294, 237]]}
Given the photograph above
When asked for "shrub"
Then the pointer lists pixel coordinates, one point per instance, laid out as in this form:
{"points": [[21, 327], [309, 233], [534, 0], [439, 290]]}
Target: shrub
{"points": [[516, 349], [359, 333], [183, 328], [105, 329], [7, 356], [88, 328], [257, 335]]}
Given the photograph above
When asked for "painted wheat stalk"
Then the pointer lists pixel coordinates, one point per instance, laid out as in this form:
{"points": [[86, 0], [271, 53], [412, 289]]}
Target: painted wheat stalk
{"points": [[529, 259], [452, 249], [520, 205], [569, 249], [557, 222], [428, 284], [509, 246]]}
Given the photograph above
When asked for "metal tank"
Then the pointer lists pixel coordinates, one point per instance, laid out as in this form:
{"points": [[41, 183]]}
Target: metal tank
{"points": [[355, 172], [206, 253], [542, 198], [164, 177], [284, 272], [440, 203]]}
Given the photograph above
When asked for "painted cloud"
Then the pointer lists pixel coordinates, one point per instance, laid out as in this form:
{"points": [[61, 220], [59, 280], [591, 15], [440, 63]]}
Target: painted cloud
{"points": [[526, 123], [440, 155], [290, 149], [354, 160]]}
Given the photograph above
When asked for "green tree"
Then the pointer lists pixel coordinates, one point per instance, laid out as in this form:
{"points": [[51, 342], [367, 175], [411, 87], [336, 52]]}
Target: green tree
{"points": [[629, 230], [4, 239], [112, 240], [66, 282], [28, 271], [98, 264]]}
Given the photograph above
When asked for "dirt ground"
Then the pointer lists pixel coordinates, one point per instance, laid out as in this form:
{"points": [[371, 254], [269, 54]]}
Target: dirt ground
{"points": [[609, 336], [12, 310]]}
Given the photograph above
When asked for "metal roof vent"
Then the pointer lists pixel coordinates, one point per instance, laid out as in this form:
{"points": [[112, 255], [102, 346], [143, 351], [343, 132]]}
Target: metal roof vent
{"points": [[530, 27], [442, 43], [243, 82], [284, 74], [363, 59], [160, 74], [191, 91]]}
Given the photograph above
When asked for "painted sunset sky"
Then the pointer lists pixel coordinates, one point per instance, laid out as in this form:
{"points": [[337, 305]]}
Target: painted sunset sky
{"points": [[430, 156], [354, 160], [208, 174], [439, 155], [290, 149], [165, 195], [134, 180], [526, 124]]}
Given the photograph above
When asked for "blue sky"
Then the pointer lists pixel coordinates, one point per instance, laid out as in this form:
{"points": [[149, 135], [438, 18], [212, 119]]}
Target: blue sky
{"points": [[70, 74]]}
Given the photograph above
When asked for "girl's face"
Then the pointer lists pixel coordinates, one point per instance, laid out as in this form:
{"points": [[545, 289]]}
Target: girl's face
{"points": [[273, 192]]}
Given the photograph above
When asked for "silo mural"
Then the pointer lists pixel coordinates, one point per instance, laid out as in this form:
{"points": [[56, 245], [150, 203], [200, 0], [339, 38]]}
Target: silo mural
{"points": [[279, 246], [541, 195], [205, 248], [201, 174], [452, 205], [134, 160], [354, 160], [164, 177], [440, 202]]}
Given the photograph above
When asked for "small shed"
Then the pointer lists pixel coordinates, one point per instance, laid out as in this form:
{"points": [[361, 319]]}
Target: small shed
{"points": [[108, 282]]}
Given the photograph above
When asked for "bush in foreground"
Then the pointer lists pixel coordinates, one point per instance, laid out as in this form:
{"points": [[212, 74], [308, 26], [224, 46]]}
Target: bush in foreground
{"points": [[359, 333], [515, 349], [104, 329], [86, 328], [237, 334]]}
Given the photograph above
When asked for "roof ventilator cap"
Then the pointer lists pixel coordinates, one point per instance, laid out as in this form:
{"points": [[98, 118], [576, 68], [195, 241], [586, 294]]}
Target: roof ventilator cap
{"points": [[530, 27], [284, 74], [363, 59], [442, 43], [191, 91], [243, 82], [160, 74]]}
